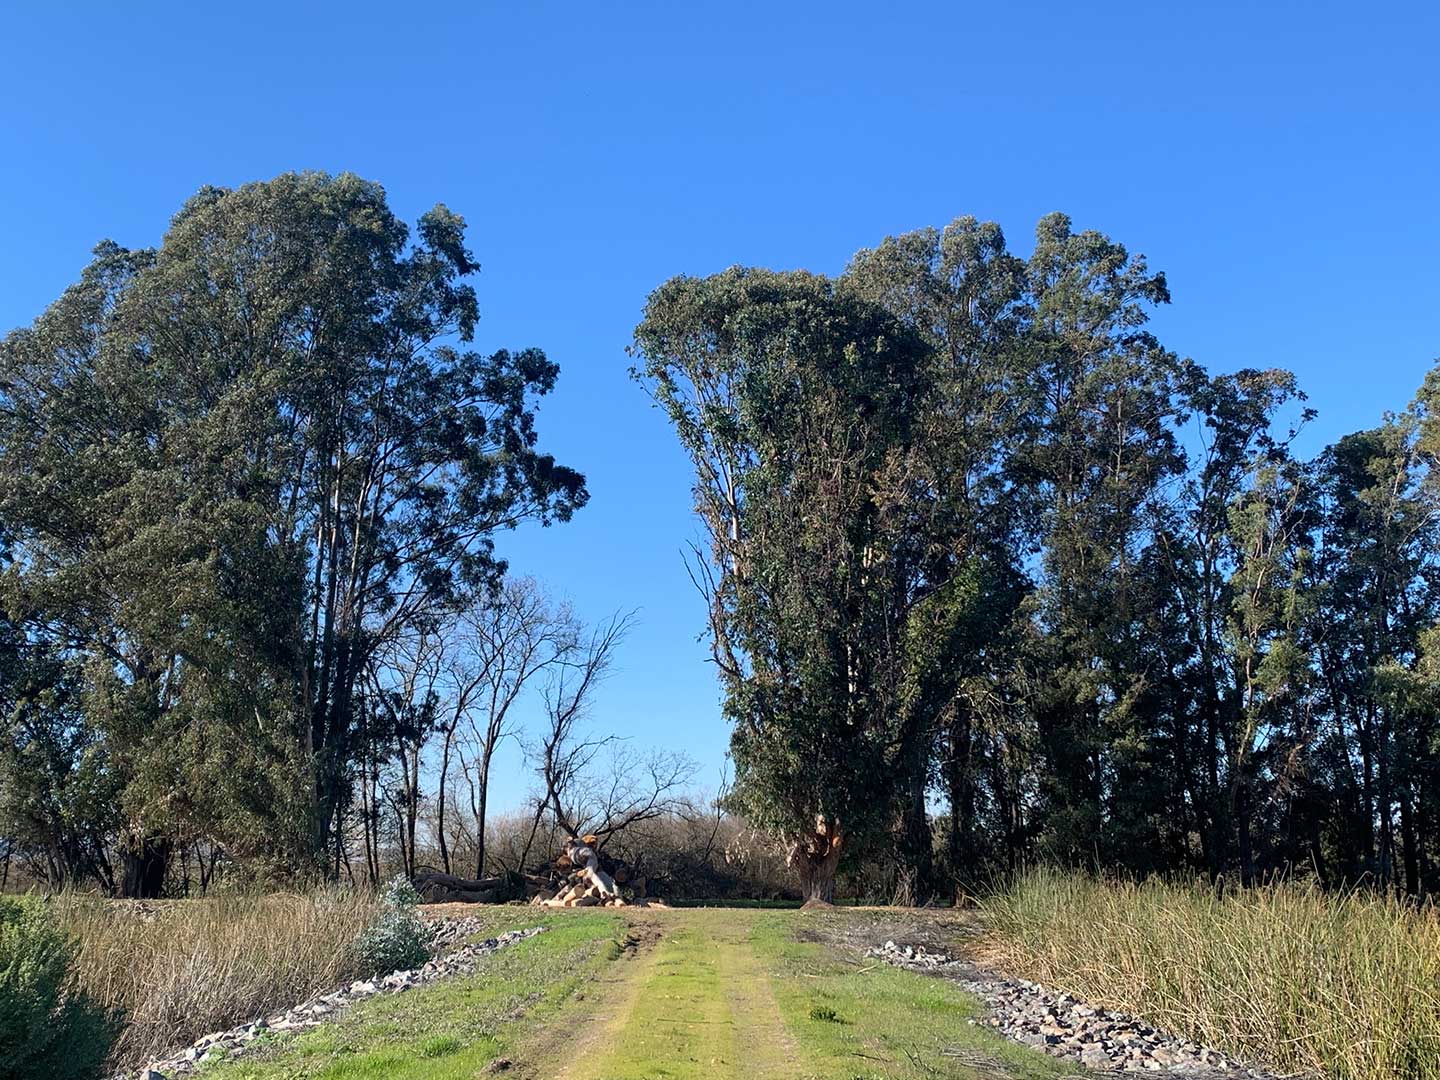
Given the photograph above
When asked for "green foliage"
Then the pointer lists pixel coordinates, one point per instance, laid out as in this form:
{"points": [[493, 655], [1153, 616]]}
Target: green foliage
{"points": [[47, 1028], [398, 939], [802, 406], [231, 468]]}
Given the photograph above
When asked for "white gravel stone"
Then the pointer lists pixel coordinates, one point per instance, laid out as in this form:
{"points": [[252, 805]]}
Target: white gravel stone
{"points": [[456, 956]]}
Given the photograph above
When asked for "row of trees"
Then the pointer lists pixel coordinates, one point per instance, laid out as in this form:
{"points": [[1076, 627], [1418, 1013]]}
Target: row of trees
{"points": [[991, 573], [249, 487], [979, 543]]}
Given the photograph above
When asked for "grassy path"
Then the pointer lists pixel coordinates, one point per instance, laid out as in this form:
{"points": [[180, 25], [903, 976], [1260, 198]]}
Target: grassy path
{"points": [[719, 994], [699, 1005], [726, 995]]}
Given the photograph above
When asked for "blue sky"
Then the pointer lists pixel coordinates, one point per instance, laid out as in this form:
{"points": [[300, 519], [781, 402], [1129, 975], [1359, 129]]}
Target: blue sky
{"points": [[1280, 161]]}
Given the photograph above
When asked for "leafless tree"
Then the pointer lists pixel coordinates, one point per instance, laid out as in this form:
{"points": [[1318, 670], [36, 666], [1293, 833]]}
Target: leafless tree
{"points": [[592, 782], [506, 643]]}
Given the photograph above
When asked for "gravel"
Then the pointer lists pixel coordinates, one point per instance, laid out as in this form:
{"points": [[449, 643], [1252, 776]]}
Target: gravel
{"points": [[1066, 1027], [453, 955]]}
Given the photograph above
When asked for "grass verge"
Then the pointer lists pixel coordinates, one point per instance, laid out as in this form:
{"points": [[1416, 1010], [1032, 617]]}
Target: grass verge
{"points": [[856, 1021], [1346, 985], [447, 1030]]}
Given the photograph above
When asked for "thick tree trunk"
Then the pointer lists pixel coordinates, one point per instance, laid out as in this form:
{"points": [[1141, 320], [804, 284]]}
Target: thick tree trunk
{"points": [[438, 888], [961, 790], [916, 841], [817, 879], [144, 864], [816, 858]]}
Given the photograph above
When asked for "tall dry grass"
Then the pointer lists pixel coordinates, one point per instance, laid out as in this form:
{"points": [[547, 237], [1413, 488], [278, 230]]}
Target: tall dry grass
{"points": [[1346, 985], [181, 969]]}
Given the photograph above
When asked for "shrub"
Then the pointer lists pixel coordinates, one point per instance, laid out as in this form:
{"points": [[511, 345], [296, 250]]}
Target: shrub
{"points": [[398, 938], [47, 1027]]}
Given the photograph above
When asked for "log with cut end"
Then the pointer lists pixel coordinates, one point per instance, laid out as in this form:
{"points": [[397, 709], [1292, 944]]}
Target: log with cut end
{"points": [[588, 883], [436, 887], [578, 879]]}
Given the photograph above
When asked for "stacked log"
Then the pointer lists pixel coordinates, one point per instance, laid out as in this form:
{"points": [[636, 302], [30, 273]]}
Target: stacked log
{"points": [[584, 880], [436, 887], [580, 877]]}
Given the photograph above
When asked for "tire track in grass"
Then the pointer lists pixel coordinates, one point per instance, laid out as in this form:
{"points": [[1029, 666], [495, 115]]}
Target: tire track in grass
{"points": [[702, 1009]]}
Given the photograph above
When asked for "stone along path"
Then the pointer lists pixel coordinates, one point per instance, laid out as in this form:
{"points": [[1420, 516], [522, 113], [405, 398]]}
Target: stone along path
{"points": [[1066, 1027]]}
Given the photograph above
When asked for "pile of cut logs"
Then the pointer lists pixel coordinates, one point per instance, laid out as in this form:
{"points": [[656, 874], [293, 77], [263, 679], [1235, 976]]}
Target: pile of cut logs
{"points": [[586, 884], [580, 877]]}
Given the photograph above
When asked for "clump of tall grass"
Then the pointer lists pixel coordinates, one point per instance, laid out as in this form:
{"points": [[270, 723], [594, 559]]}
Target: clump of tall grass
{"points": [[1308, 981], [178, 970]]}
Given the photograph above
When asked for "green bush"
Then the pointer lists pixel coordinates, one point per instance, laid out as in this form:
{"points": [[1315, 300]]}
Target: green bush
{"points": [[398, 938], [46, 1027]]}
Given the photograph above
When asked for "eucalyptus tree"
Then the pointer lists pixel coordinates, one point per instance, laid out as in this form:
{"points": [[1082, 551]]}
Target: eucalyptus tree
{"points": [[237, 464], [1106, 402], [964, 295], [802, 405]]}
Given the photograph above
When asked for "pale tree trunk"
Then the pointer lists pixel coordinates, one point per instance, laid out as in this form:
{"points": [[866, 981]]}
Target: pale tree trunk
{"points": [[816, 858]]}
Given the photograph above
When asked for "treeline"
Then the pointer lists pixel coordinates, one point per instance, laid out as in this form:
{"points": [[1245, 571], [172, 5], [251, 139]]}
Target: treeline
{"points": [[994, 576], [249, 487]]}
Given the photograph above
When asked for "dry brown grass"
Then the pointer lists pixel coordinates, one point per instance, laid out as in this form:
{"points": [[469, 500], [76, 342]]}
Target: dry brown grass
{"points": [[181, 969], [1347, 985]]}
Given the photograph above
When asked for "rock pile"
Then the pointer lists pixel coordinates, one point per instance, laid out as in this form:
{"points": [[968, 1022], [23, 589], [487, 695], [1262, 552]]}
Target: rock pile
{"points": [[453, 955], [1064, 1026]]}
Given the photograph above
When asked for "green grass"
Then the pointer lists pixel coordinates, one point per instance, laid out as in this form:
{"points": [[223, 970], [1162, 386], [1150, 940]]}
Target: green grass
{"points": [[681, 1025], [451, 1029], [854, 1021], [733, 995], [1347, 985]]}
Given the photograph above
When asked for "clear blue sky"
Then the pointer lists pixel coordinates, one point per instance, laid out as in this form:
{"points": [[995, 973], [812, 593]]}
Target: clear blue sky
{"points": [[1280, 161]]}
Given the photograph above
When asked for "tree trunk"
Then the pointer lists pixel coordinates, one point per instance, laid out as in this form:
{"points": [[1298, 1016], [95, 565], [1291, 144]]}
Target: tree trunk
{"points": [[961, 790], [1242, 825], [480, 804], [1409, 847], [816, 857], [916, 842], [440, 800], [144, 864], [817, 877]]}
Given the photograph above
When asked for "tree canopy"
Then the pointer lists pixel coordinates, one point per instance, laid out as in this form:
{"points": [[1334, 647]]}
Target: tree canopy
{"points": [[234, 467]]}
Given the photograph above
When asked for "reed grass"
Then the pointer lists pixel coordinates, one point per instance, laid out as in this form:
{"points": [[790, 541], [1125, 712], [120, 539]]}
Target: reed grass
{"points": [[1347, 985], [178, 970]]}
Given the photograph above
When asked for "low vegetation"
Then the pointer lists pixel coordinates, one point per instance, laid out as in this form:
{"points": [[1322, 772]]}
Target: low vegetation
{"points": [[46, 1027], [729, 994], [1344, 984], [179, 970], [448, 1030]]}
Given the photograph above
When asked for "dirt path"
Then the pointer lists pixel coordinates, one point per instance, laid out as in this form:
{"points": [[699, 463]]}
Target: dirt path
{"points": [[595, 1013], [695, 1002]]}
